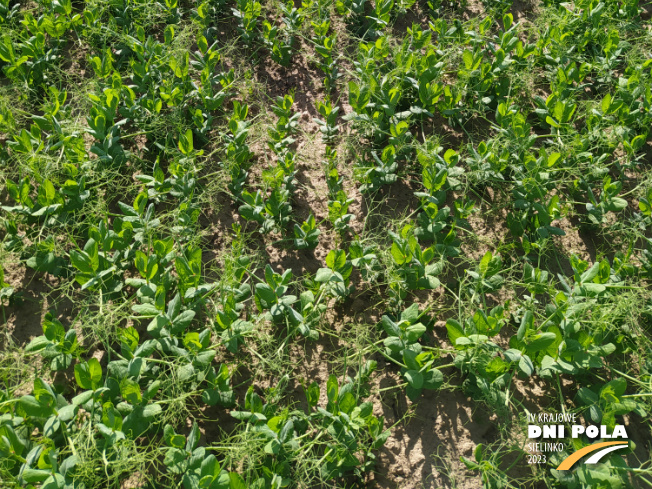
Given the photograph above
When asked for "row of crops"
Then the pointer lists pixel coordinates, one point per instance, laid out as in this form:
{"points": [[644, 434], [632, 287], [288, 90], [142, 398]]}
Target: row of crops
{"points": [[151, 180]]}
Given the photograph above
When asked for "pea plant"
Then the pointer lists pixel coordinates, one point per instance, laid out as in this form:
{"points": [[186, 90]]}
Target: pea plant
{"points": [[247, 244]]}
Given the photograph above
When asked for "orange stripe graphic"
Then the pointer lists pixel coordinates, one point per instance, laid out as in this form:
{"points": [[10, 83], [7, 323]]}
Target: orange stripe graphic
{"points": [[571, 459]]}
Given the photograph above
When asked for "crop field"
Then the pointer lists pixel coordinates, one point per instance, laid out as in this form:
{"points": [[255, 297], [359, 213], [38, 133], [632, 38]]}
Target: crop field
{"points": [[256, 244]]}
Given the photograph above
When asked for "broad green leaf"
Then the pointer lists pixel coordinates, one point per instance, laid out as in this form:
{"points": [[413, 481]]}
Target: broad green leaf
{"points": [[336, 259], [169, 34], [186, 143], [617, 204], [433, 379], [540, 342], [591, 273], [527, 323], [312, 394], [35, 475], [470, 464], [618, 386], [414, 378], [147, 310], [37, 344], [32, 407], [193, 438], [332, 388], [455, 330], [95, 371], [467, 57], [130, 391], [323, 275], [587, 396], [594, 288], [484, 263], [606, 102], [411, 314], [152, 410], [410, 359], [414, 332], [399, 256], [390, 327], [66, 413], [265, 294], [83, 376], [182, 321], [236, 481], [347, 403], [53, 329], [525, 365]]}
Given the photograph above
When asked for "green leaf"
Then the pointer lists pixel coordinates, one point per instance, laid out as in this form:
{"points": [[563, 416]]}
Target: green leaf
{"points": [[618, 386], [147, 310], [527, 323], [587, 396], [169, 34], [525, 365], [594, 288], [455, 330], [595, 413], [82, 398], [638, 142], [591, 273], [508, 20], [312, 394], [399, 257], [91, 248], [81, 262], [617, 204], [193, 438], [414, 378], [236, 481], [37, 344], [390, 327], [266, 294], [53, 329], [182, 321], [332, 388], [540, 342], [48, 191], [224, 398], [336, 259], [174, 458], [32, 407], [347, 403], [606, 102], [412, 393], [35, 475], [467, 57], [130, 391], [323, 275], [273, 447], [95, 371], [410, 359], [83, 376], [411, 314], [185, 142], [433, 379], [513, 355], [152, 410], [470, 464], [414, 332], [157, 325], [484, 263], [66, 413]]}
